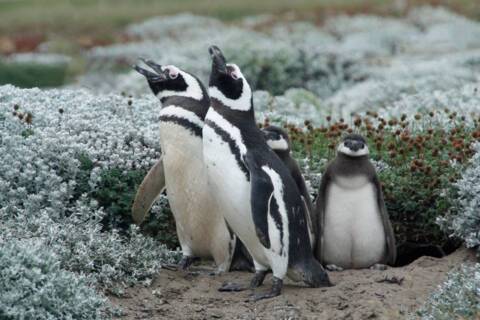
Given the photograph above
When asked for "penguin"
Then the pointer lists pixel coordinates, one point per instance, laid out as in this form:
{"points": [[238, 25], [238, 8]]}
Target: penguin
{"points": [[201, 228], [354, 228], [257, 195], [279, 141]]}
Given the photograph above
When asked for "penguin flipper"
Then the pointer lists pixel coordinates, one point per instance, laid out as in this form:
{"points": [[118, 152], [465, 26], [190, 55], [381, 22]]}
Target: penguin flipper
{"points": [[261, 195], [391, 254], [149, 190], [302, 187], [320, 207]]}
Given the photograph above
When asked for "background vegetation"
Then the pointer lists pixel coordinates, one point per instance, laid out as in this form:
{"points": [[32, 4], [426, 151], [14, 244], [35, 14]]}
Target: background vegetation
{"points": [[71, 159]]}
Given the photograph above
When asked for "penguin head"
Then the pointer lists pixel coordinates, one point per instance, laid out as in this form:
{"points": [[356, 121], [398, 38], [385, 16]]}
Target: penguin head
{"points": [[277, 138], [227, 83], [353, 145], [168, 81]]}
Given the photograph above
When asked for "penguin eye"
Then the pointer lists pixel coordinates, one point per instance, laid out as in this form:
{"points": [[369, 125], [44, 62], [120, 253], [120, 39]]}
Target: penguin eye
{"points": [[234, 75], [173, 75]]}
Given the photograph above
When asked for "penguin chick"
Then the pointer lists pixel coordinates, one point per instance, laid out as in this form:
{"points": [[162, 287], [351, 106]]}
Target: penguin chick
{"points": [[354, 227], [256, 192], [201, 228], [278, 139]]}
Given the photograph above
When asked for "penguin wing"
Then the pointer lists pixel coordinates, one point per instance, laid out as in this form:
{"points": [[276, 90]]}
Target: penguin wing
{"points": [[261, 194], [302, 187], [320, 207], [391, 255], [150, 189]]}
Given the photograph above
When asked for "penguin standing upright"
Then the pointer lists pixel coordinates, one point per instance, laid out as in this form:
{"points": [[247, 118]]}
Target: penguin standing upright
{"points": [[278, 140], [257, 194], [201, 228], [354, 228]]}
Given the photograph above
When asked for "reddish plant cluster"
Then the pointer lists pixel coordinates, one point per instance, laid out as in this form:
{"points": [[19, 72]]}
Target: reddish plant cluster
{"points": [[423, 155]]}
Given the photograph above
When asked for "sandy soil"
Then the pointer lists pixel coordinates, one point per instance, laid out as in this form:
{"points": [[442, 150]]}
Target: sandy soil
{"points": [[357, 294]]}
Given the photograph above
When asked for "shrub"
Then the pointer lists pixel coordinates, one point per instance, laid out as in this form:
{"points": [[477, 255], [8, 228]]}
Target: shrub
{"points": [[35, 287], [418, 159], [463, 221], [80, 147], [34, 70], [457, 298]]}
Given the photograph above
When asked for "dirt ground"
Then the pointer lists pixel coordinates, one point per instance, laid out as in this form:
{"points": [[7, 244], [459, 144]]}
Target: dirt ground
{"points": [[357, 294]]}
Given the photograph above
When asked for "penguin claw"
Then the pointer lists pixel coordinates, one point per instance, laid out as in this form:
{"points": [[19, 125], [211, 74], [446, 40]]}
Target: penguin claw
{"points": [[379, 267], [332, 267]]}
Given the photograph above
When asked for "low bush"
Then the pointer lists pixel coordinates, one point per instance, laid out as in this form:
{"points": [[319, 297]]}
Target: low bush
{"points": [[418, 161], [463, 221], [34, 286], [457, 298], [80, 150]]}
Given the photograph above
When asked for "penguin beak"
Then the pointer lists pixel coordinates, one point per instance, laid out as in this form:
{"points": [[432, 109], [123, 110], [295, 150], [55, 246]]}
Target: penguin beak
{"points": [[156, 67], [354, 145], [219, 63], [159, 76]]}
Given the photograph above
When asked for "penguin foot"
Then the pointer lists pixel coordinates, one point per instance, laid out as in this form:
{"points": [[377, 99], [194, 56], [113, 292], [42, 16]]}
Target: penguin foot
{"points": [[215, 273], [231, 287], [257, 279], [332, 267], [187, 261], [379, 267], [274, 292]]}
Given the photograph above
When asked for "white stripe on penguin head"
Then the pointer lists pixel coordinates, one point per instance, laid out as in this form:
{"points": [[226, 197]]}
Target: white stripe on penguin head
{"points": [[243, 103], [280, 144], [342, 148], [230, 129], [194, 90]]}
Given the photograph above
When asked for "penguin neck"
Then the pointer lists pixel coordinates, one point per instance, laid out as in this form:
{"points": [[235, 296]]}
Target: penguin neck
{"points": [[245, 118], [197, 106], [283, 154], [346, 165]]}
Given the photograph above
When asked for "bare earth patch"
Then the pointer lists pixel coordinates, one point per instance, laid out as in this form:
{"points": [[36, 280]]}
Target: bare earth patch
{"points": [[357, 294]]}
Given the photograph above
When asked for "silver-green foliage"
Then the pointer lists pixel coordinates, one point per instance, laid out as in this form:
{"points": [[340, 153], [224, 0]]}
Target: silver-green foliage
{"points": [[464, 222], [34, 286], [457, 298], [45, 195]]}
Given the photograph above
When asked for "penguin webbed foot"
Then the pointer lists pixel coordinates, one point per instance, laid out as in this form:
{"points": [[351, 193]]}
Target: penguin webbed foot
{"points": [[379, 267], [232, 287], [333, 267], [258, 278], [275, 291], [186, 262], [256, 281]]}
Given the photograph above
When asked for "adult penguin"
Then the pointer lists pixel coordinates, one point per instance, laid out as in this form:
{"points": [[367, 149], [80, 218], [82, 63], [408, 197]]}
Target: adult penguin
{"points": [[256, 193], [354, 227], [278, 139], [201, 228]]}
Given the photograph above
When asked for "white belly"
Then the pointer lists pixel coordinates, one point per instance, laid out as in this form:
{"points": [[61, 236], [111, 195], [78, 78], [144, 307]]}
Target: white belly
{"points": [[353, 234], [200, 225], [232, 191]]}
